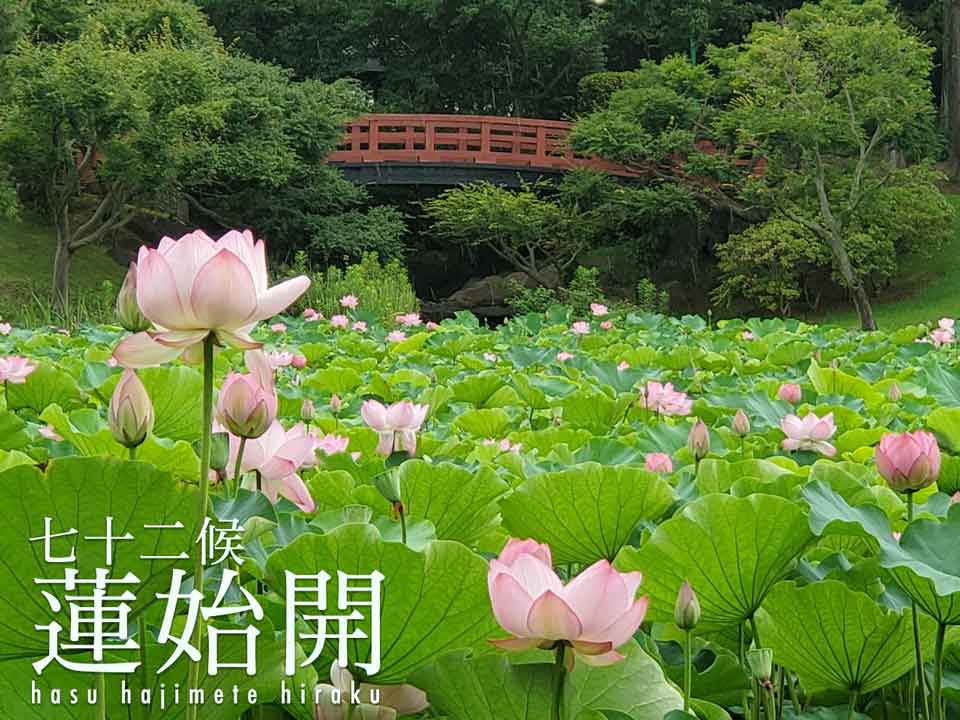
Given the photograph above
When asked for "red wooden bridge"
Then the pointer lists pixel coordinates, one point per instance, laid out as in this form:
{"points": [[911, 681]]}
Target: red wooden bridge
{"points": [[451, 149]]}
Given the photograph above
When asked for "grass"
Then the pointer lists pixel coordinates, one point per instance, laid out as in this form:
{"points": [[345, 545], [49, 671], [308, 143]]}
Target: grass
{"points": [[27, 248], [925, 289]]}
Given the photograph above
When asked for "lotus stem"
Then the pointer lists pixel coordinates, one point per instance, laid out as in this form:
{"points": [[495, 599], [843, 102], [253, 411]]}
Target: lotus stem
{"points": [[792, 688], [403, 526], [206, 431], [101, 696], [754, 632], [924, 705], [852, 709], [687, 670], [236, 468], [938, 673], [560, 672], [144, 677], [133, 453]]}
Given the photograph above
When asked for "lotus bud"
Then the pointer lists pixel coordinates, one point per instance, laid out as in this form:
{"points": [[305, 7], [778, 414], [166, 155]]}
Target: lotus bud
{"points": [[128, 311], [686, 613], [760, 661], [307, 411], [894, 393], [698, 441], [219, 450], [336, 404], [131, 412], [908, 461], [245, 407], [790, 392], [299, 361], [741, 423], [834, 364]]}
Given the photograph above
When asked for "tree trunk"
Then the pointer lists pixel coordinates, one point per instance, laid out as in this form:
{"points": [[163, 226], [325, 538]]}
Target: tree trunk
{"points": [[61, 276], [951, 81], [861, 301]]}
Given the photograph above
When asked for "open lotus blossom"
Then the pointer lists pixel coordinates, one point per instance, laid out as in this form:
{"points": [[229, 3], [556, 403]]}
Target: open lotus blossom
{"points": [[359, 326], [810, 433], [748, 335], [5, 328], [247, 403], [278, 327], [339, 321], [947, 324], [908, 461], [504, 445], [658, 462], [409, 319], [940, 337], [194, 286], [311, 315], [580, 328], [563, 356], [15, 369], [332, 444], [595, 613], [431, 325], [606, 325], [278, 455], [599, 309], [50, 433], [790, 392], [350, 301], [663, 399], [624, 365], [377, 702], [396, 425], [280, 359], [396, 336]]}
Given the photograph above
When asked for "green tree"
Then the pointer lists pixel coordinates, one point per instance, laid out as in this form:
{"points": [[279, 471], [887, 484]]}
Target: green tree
{"points": [[825, 96]]}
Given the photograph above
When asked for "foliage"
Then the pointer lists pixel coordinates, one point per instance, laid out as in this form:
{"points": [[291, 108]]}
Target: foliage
{"points": [[537, 299], [650, 298], [384, 287], [597, 89], [583, 289]]}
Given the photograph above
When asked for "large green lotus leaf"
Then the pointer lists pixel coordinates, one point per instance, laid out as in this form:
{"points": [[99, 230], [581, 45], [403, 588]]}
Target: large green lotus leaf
{"points": [[334, 380], [764, 413], [836, 638], [176, 393], [80, 493], [945, 421], [13, 435], [484, 423], [86, 431], [718, 476], [587, 512], [717, 674], [829, 381], [432, 601], [477, 389], [731, 550], [943, 384], [45, 386], [461, 504], [831, 514], [791, 353], [594, 411]]}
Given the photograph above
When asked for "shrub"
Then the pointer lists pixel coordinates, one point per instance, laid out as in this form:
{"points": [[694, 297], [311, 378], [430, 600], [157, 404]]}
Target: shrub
{"points": [[384, 290], [524, 300], [583, 289], [650, 298]]}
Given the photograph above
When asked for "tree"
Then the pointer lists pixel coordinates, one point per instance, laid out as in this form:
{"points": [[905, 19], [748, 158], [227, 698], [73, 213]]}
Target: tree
{"points": [[825, 96]]}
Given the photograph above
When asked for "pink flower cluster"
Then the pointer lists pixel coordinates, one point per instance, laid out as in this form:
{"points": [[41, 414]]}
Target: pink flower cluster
{"points": [[664, 400]]}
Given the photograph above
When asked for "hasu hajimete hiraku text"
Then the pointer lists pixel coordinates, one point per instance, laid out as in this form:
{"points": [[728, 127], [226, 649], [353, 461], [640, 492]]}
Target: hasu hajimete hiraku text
{"points": [[102, 636]]}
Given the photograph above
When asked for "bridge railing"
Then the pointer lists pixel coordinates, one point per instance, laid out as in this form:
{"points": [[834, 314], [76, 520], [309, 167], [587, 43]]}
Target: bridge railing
{"points": [[464, 139]]}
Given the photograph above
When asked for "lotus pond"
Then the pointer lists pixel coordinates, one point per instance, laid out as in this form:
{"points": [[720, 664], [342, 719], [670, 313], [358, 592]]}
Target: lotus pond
{"points": [[604, 446]]}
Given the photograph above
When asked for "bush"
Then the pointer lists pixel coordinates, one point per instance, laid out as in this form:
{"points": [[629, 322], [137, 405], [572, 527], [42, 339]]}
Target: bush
{"points": [[596, 89], [384, 290], [583, 289], [524, 300], [650, 298]]}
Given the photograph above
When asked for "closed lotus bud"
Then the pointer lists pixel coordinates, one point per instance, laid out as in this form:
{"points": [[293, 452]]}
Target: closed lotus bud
{"points": [[336, 404], [219, 450], [894, 393], [741, 423], [131, 412], [128, 310], [246, 408], [686, 613], [790, 392], [299, 361], [698, 441], [908, 461], [760, 661], [307, 411]]}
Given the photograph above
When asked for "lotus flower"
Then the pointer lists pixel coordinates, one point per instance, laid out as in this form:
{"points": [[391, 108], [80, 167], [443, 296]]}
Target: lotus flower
{"points": [[658, 462], [247, 404], [810, 433], [278, 327], [748, 335], [790, 392], [598, 309], [563, 356], [409, 319], [606, 325], [431, 325], [311, 315], [5, 328], [663, 399], [397, 425], [594, 614], [307, 411], [350, 301], [359, 326], [941, 337], [195, 286], [741, 423], [397, 336], [336, 404], [698, 440], [50, 433], [332, 444], [131, 413], [580, 328], [490, 357], [128, 312], [686, 612], [377, 702], [339, 321], [15, 369], [277, 455], [299, 361], [908, 461], [280, 359], [894, 394], [623, 365]]}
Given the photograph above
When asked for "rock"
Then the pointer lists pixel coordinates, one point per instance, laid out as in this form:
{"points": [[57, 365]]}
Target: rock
{"points": [[485, 296]]}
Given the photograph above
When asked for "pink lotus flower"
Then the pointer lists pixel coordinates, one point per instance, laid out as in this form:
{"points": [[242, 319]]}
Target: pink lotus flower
{"points": [[741, 423], [580, 328], [790, 392], [311, 315], [658, 462], [15, 369], [397, 336], [112, 362], [299, 361], [247, 404], [894, 394], [810, 433], [50, 433], [336, 404], [340, 321], [896, 536], [624, 365], [359, 326], [698, 440], [279, 359], [564, 356], [947, 324], [431, 325], [5, 328], [131, 413], [598, 309], [278, 327], [663, 399], [941, 337], [277, 454], [350, 301], [332, 444], [504, 445], [490, 357], [606, 325], [409, 319], [748, 335], [392, 700], [955, 498], [908, 461], [595, 613], [195, 286], [396, 425]]}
